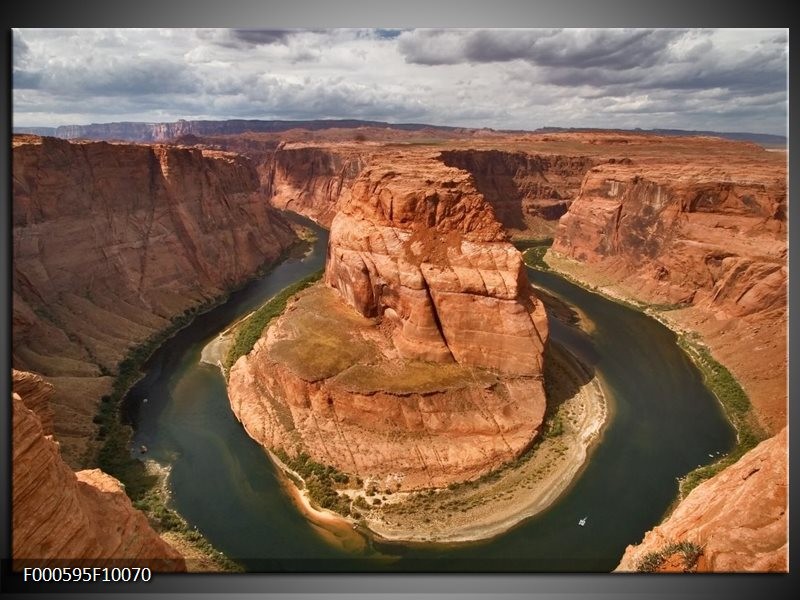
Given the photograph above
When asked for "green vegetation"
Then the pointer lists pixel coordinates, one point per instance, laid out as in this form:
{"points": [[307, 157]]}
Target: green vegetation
{"points": [[153, 504], [525, 243], [320, 481], [652, 561], [114, 456], [534, 258], [554, 428], [737, 408], [249, 331], [533, 252]]}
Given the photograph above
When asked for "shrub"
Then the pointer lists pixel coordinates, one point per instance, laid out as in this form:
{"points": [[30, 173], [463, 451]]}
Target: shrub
{"points": [[652, 561]]}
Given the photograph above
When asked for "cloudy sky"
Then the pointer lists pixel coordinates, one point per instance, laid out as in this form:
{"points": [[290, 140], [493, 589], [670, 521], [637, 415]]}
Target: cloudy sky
{"points": [[724, 80]]}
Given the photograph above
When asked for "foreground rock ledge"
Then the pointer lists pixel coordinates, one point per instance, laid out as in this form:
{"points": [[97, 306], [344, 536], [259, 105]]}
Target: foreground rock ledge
{"points": [[61, 516], [420, 363]]}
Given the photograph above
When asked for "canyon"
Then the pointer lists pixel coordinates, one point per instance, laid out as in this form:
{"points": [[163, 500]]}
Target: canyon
{"points": [[418, 360], [739, 518], [112, 244]]}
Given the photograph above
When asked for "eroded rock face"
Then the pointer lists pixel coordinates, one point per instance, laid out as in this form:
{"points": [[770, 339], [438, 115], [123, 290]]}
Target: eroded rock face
{"points": [[111, 241], [529, 192], [707, 240], [740, 517], [702, 233], [58, 515], [686, 234], [421, 363], [311, 181]]}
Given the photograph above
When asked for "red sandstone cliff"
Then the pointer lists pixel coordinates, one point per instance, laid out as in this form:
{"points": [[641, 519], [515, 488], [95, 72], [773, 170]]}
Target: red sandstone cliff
{"points": [[435, 377], [707, 239], [82, 519], [529, 192], [113, 240], [739, 517], [702, 231]]}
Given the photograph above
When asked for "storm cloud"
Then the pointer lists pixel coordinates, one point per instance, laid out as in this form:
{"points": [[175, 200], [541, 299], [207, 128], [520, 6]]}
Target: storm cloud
{"points": [[723, 80]]}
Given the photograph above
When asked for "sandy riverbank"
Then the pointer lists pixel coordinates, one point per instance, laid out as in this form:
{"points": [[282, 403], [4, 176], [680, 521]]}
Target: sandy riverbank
{"points": [[215, 351]]}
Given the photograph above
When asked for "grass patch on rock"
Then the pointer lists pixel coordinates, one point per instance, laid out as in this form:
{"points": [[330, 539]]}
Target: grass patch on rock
{"points": [[250, 329], [407, 377]]}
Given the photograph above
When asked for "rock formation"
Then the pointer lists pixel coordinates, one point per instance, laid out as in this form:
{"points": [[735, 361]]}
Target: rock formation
{"points": [[699, 231], [529, 192], [707, 239], [68, 519], [162, 132], [111, 241], [422, 362], [739, 517]]}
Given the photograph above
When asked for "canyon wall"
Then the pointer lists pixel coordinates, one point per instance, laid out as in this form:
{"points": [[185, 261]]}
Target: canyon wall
{"points": [[162, 132], [421, 360], [70, 519], [112, 241], [739, 517], [700, 235], [311, 181], [529, 192], [706, 242]]}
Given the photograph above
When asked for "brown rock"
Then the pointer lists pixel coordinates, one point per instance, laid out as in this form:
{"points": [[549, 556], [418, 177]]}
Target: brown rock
{"points": [[418, 243], [529, 192], [695, 236], [311, 181], [111, 241], [739, 517], [435, 377], [60, 518], [36, 393]]}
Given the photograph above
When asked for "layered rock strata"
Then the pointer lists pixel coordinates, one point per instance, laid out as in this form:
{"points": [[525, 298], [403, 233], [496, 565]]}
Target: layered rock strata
{"points": [[71, 519], [739, 517], [311, 181], [111, 241], [702, 239], [420, 363]]}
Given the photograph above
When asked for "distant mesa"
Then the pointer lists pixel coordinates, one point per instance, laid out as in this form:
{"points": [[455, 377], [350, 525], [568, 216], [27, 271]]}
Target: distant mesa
{"points": [[137, 131]]}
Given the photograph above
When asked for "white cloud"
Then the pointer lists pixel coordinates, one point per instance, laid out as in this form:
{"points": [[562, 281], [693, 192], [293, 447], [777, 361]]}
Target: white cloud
{"points": [[721, 79]]}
